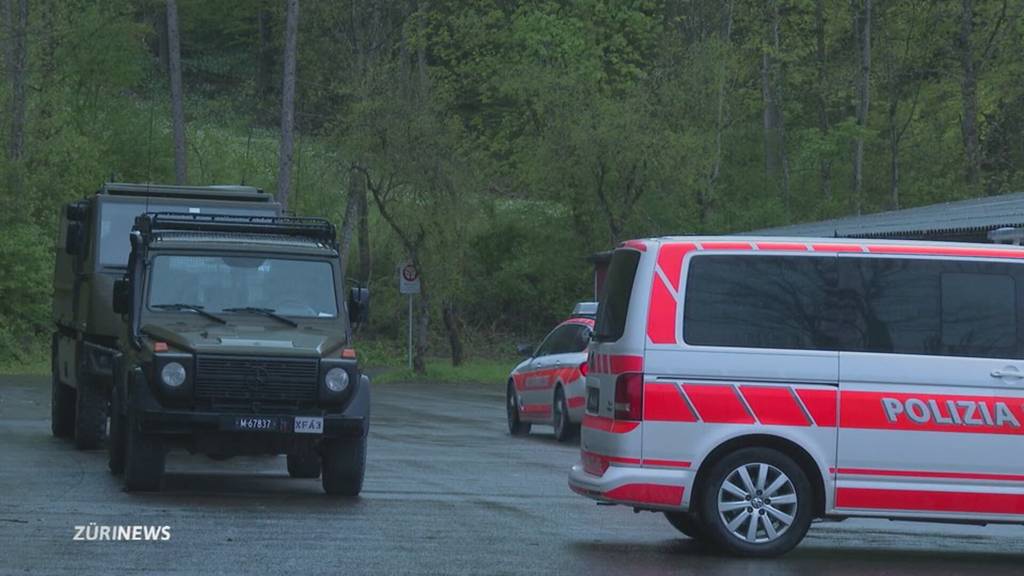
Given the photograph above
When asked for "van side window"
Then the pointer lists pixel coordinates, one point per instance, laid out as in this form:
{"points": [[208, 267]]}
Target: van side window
{"points": [[940, 308], [618, 287], [762, 302]]}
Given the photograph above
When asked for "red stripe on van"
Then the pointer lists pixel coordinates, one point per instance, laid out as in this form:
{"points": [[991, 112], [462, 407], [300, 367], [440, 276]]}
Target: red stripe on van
{"points": [[647, 494], [929, 501], [717, 404], [774, 405], [670, 260], [726, 245], [608, 425], [945, 251], [576, 401], [784, 246], [621, 363], [661, 315], [666, 463], [936, 412], [663, 402], [821, 404], [838, 248], [929, 474], [536, 409]]}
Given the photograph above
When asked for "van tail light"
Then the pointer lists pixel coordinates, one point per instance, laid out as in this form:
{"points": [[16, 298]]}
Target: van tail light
{"points": [[629, 396], [583, 369]]}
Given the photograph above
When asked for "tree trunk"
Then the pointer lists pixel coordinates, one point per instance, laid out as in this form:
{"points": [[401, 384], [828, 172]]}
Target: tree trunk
{"points": [[348, 222], [265, 56], [706, 199], [776, 164], [862, 29], [419, 356], [894, 159], [177, 104], [454, 331], [163, 47], [825, 164], [18, 71], [364, 235], [969, 95], [284, 168]]}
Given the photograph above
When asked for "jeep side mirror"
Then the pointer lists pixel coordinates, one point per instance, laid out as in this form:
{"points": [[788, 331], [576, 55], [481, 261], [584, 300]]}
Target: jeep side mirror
{"points": [[74, 238], [525, 350], [358, 305], [122, 298], [75, 212]]}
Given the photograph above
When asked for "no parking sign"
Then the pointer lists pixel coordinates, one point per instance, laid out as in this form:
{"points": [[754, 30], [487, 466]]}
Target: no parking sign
{"points": [[408, 279]]}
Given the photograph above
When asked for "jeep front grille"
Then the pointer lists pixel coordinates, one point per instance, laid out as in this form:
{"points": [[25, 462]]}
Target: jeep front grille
{"points": [[241, 380]]}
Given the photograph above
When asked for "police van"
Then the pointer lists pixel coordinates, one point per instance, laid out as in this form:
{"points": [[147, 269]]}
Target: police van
{"points": [[746, 387]]}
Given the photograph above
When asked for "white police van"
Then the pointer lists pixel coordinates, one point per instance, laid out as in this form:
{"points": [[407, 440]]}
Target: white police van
{"points": [[746, 386]]}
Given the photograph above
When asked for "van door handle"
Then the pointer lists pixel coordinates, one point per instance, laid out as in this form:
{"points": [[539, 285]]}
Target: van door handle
{"points": [[1008, 372]]}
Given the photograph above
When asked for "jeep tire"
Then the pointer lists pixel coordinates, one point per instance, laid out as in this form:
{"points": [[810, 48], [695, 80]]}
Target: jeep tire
{"points": [[144, 458], [62, 402], [344, 465], [90, 414], [117, 438], [304, 463]]}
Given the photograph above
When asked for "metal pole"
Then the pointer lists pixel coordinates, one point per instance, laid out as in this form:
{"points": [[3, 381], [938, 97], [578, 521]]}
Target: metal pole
{"points": [[410, 331]]}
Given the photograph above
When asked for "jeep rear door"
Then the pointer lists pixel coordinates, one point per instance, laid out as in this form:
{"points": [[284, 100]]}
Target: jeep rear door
{"points": [[930, 397]]}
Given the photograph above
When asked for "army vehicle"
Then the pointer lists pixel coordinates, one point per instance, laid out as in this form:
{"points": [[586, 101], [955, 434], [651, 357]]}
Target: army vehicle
{"points": [[236, 341], [92, 252]]}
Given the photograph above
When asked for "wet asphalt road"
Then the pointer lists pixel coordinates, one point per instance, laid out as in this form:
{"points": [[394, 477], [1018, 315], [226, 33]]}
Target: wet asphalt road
{"points": [[447, 492]]}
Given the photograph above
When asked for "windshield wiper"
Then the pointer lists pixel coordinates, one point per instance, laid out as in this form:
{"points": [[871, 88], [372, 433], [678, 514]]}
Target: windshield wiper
{"points": [[268, 312], [193, 307]]}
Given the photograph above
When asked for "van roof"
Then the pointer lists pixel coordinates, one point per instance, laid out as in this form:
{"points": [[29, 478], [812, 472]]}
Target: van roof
{"points": [[218, 192], [805, 244]]}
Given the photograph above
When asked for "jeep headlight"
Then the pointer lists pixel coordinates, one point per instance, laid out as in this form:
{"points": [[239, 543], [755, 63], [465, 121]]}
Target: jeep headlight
{"points": [[336, 380], [173, 374]]}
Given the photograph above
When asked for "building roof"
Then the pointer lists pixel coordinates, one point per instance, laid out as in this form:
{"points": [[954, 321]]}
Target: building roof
{"points": [[964, 218]]}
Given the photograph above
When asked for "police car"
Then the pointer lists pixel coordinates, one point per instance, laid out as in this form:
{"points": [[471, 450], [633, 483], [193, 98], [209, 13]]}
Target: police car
{"points": [[747, 386], [548, 386]]}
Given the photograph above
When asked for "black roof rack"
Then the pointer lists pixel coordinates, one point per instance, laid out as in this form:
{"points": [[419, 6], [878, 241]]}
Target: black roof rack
{"points": [[316, 229], [219, 192]]}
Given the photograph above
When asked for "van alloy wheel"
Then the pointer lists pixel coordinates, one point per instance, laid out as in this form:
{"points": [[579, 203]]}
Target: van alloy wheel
{"points": [[757, 503], [516, 426]]}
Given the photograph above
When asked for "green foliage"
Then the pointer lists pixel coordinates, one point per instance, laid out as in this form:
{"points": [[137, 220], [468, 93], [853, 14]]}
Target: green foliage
{"points": [[506, 141]]}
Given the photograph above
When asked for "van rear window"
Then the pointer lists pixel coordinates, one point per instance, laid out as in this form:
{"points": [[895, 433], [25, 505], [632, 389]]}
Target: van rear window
{"points": [[618, 287]]}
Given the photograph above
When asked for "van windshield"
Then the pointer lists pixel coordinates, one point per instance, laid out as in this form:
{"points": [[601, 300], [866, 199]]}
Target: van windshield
{"points": [[117, 219], [300, 288], [618, 286]]}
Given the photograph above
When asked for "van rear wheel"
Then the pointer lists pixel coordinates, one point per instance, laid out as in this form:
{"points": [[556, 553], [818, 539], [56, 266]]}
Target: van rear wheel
{"points": [[516, 427], [756, 502]]}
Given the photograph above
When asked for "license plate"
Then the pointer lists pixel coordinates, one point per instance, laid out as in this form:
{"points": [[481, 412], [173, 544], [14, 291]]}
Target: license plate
{"points": [[593, 400], [309, 425], [257, 424]]}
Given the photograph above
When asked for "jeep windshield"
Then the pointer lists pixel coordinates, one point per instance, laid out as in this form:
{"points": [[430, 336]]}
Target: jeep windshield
{"points": [[117, 219], [241, 284]]}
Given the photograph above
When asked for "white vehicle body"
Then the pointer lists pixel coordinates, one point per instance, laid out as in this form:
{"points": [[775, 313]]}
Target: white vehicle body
{"points": [[891, 373]]}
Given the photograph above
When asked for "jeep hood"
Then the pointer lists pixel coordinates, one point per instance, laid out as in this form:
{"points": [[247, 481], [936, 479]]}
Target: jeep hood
{"points": [[248, 339]]}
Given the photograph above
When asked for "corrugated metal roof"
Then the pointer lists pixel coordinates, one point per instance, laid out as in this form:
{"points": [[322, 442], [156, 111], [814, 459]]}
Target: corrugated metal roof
{"points": [[974, 215]]}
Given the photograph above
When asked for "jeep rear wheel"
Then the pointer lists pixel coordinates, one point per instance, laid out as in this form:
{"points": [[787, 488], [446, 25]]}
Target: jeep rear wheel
{"points": [[62, 402], [516, 427], [756, 502], [344, 465], [144, 458], [118, 435], [90, 414]]}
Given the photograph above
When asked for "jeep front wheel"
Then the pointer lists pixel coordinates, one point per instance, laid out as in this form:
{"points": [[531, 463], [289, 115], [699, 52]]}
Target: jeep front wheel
{"points": [[144, 458], [344, 465], [90, 414], [62, 402]]}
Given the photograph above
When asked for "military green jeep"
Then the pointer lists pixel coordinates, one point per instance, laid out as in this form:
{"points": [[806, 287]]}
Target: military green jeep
{"points": [[236, 341], [92, 252]]}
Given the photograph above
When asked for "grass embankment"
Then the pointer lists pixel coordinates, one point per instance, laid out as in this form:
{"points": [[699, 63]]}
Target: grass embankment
{"points": [[391, 364]]}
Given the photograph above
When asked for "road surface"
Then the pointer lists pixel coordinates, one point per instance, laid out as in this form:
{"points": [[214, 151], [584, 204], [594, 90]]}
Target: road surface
{"points": [[447, 492]]}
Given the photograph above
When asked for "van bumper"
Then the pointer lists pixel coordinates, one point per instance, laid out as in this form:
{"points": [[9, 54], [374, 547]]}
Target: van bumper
{"points": [[639, 487]]}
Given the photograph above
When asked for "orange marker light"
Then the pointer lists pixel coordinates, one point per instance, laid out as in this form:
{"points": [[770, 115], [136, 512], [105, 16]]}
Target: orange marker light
{"points": [[348, 352], [160, 347]]}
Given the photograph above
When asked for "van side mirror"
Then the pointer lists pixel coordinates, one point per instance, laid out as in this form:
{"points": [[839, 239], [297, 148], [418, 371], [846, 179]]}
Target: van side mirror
{"points": [[74, 238], [358, 305], [525, 350], [122, 298]]}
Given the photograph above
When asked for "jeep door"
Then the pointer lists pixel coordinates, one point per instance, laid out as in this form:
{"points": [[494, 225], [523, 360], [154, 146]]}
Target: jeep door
{"points": [[930, 387]]}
